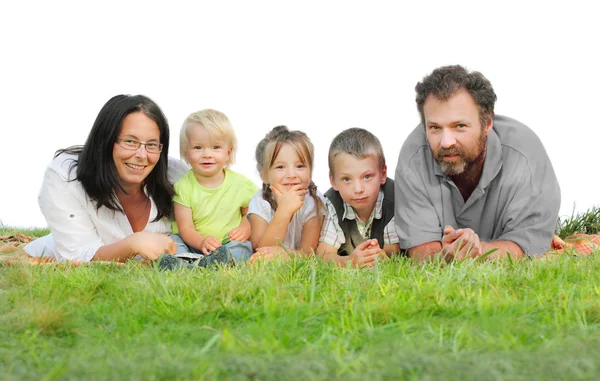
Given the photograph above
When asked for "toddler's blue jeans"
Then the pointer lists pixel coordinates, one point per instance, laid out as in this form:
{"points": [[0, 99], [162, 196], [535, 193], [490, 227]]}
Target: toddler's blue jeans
{"points": [[240, 251]]}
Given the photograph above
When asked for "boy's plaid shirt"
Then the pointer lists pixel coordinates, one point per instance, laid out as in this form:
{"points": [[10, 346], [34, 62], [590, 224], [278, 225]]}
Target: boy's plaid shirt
{"points": [[332, 234]]}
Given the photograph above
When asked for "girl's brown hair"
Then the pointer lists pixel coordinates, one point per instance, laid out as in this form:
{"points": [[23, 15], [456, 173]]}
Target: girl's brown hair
{"points": [[268, 149]]}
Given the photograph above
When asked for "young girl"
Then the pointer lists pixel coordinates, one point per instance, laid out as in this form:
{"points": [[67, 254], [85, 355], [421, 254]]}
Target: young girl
{"points": [[288, 209], [211, 201]]}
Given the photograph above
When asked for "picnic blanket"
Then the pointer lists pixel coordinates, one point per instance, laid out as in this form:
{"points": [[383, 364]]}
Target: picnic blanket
{"points": [[11, 252], [12, 242], [577, 244]]}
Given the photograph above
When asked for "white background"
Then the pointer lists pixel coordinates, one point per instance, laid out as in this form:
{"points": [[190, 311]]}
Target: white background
{"points": [[317, 66]]}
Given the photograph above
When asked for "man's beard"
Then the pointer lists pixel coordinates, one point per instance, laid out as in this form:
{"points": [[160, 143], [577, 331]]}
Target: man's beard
{"points": [[466, 162]]}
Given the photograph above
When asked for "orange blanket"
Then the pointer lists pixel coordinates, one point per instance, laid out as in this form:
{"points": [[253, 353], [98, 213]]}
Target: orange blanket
{"points": [[11, 252], [578, 244]]}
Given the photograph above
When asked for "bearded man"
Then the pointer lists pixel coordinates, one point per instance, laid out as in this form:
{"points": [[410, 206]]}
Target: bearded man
{"points": [[469, 181]]}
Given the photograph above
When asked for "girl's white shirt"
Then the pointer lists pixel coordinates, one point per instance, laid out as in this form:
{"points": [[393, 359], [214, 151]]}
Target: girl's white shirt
{"points": [[78, 228], [261, 208]]}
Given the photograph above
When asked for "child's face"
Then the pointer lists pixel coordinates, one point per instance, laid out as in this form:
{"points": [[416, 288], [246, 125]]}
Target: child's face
{"points": [[207, 154], [358, 181], [288, 170]]}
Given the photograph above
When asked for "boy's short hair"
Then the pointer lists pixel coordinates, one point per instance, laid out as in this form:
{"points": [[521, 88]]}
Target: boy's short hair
{"points": [[357, 142], [216, 123]]}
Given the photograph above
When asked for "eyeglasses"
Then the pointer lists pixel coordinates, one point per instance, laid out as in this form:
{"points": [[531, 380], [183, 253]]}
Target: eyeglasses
{"points": [[134, 145]]}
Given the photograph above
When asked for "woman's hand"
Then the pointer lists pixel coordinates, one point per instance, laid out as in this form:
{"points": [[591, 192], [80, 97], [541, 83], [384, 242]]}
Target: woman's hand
{"points": [[151, 245]]}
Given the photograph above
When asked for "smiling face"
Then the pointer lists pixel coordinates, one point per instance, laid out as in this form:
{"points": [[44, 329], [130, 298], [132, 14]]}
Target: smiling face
{"points": [[207, 153], [133, 166], [454, 132], [358, 180], [288, 169]]}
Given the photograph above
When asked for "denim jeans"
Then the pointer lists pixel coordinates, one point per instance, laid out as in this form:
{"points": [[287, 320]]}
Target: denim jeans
{"points": [[240, 251]]}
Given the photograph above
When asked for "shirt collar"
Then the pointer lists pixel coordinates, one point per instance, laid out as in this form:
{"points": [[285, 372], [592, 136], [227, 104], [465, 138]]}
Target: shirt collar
{"points": [[493, 160], [350, 214]]}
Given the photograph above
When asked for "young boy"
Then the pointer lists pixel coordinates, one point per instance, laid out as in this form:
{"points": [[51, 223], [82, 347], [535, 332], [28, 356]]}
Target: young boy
{"points": [[211, 201], [359, 225]]}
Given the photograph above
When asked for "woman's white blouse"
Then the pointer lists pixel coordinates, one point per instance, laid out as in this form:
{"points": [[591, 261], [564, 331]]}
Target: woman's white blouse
{"points": [[78, 228]]}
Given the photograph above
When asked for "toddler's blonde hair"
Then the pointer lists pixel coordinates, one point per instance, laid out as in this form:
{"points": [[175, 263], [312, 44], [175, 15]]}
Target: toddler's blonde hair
{"points": [[216, 123]]}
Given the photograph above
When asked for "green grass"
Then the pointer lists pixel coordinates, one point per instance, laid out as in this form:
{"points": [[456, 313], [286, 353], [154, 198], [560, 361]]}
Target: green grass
{"points": [[587, 222], [303, 320], [34, 232]]}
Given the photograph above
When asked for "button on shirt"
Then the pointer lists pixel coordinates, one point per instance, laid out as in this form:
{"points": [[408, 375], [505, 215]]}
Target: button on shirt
{"points": [[332, 234], [517, 198]]}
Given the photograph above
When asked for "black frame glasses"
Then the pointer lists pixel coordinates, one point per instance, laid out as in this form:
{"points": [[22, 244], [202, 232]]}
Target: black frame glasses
{"points": [[134, 145]]}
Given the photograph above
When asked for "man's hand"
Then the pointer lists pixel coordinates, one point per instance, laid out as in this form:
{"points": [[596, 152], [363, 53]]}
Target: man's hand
{"points": [[367, 253], [461, 243]]}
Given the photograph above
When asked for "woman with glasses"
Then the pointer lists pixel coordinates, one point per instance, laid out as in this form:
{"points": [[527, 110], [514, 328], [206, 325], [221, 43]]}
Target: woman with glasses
{"points": [[110, 199]]}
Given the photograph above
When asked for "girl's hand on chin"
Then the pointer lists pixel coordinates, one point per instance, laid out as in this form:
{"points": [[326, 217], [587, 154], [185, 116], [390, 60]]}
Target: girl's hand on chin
{"points": [[289, 200]]}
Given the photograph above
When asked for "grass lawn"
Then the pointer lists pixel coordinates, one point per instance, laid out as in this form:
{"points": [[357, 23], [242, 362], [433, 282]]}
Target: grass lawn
{"points": [[304, 320]]}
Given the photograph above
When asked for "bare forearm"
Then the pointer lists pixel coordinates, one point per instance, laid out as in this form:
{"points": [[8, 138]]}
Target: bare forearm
{"points": [[244, 223], [192, 238], [504, 248], [148, 245], [311, 231], [118, 251], [391, 249], [277, 229], [329, 253], [340, 260], [425, 252]]}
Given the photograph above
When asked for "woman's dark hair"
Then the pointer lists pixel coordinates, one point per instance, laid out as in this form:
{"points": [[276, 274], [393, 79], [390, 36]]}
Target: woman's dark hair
{"points": [[95, 164]]}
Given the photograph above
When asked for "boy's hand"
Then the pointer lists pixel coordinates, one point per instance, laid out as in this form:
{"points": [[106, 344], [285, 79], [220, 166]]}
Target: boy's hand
{"points": [[209, 244], [461, 243], [289, 200], [367, 253]]}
